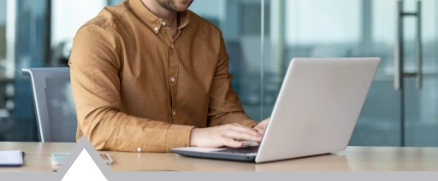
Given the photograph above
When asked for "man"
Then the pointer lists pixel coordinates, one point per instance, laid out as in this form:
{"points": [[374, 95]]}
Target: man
{"points": [[150, 75]]}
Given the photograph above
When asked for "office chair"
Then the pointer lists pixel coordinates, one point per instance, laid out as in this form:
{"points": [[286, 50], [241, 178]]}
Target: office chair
{"points": [[54, 104]]}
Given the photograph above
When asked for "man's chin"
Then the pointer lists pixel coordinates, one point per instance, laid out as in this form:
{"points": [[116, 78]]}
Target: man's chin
{"points": [[183, 6], [181, 9]]}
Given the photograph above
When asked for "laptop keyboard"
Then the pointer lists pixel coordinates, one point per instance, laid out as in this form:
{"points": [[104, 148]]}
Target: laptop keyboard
{"points": [[244, 150]]}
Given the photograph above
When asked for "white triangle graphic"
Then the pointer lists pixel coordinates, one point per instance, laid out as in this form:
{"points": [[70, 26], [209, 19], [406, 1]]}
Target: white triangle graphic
{"points": [[84, 168]]}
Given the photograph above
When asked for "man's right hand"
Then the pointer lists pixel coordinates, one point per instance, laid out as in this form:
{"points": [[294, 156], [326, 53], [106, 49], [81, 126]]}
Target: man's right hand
{"points": [[225, 135]]}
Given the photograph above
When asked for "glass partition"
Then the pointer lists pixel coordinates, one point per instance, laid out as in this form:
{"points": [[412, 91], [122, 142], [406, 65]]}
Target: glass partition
{"points": [[241, 26], [365, 28], [26, 45], [4, 81]]}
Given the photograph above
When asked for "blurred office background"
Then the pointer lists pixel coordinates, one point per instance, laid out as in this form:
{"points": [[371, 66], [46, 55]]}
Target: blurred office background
{"points": [[262, 36]]}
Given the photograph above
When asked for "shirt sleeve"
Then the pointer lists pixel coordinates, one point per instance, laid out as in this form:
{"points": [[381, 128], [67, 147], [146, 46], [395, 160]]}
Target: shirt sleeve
{"points": [[94, 67], [225, 106]]}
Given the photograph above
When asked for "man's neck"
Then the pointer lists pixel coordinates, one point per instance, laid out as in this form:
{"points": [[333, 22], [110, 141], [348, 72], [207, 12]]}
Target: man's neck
{"points": [[157, 10]]}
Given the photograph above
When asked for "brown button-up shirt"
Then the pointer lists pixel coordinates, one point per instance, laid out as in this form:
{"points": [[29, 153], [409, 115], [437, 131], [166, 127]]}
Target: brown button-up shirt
{"points": [[137, 89]]}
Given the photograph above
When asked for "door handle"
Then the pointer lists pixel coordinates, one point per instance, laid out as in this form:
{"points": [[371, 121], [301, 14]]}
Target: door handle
{"points": [[398, 55], [419, 47]]}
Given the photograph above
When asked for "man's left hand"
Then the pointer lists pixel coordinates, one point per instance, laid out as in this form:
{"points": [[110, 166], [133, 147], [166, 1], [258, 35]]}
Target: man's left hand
{"points": [[261, 127]]}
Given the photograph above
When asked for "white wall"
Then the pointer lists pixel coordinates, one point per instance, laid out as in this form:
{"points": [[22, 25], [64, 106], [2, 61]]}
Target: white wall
{"points": [[69, 15], [323, 21]]}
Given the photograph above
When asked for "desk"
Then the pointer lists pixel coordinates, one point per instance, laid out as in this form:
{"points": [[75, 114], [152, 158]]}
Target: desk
{"points": [[37, 159]]}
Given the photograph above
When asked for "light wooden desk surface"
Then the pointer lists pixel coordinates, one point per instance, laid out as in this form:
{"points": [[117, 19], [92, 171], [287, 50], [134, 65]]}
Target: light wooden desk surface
{"points": [[37, 159]]}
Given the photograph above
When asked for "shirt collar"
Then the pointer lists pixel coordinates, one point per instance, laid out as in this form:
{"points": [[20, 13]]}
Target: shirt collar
{"points": [[153, 22]]}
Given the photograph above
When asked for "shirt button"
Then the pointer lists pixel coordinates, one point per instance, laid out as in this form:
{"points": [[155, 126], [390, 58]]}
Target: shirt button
{"points": [[138, 149], [172, 79], [173, 46], [174, 113], [163, 23], [155, 29]]}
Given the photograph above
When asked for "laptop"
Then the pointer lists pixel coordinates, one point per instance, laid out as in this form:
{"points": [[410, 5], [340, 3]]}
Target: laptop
{"points": [[316, 112]]}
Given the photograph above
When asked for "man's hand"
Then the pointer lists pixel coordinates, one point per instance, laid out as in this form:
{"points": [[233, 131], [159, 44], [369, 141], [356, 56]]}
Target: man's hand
{"points": [[261, 127], [226, 135]]}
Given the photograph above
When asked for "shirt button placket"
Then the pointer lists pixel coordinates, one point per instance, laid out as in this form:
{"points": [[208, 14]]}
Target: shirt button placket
{"points": [[173, 80]]}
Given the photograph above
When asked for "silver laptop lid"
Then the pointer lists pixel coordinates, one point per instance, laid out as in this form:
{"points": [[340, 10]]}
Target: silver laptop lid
{"points": [[318, 107]]}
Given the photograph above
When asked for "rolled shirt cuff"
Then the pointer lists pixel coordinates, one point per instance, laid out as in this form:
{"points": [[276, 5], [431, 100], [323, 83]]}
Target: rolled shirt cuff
{"points": [[178, 136]]}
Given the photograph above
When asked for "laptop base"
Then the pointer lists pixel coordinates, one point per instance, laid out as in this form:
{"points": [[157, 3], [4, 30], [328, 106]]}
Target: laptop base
{"points": [[217, 156]]}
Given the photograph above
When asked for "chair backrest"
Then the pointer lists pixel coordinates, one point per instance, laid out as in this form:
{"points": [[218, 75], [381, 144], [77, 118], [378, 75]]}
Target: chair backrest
{"points": [[54, 104]]}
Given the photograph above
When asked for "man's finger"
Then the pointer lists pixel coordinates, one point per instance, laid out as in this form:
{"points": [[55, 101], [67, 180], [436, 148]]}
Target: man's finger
{"points": [[245, 129], [260, 130], [238, 135], [229, 142]]}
